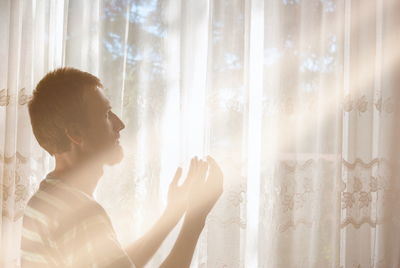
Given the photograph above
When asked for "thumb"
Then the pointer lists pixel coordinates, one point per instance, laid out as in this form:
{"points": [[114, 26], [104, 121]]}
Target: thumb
{"points": [[177, 176]]}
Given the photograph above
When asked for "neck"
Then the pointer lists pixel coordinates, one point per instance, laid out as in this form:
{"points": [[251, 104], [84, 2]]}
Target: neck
{"points": [[82, 174]]}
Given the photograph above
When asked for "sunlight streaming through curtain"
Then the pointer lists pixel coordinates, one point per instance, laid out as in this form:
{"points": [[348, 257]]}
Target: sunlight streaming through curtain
{"points": [[295, 99]]}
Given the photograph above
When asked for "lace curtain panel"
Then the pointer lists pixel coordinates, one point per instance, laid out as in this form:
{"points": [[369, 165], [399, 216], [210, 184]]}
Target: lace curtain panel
{"points": [[296, 99]]}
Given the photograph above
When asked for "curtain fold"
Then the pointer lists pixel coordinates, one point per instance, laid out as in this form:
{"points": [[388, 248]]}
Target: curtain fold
{"points": [[28, 51], [296, 99]]}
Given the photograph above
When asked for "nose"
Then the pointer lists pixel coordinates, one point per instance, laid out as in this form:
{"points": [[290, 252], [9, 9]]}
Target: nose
{"points": [[118, 124]]}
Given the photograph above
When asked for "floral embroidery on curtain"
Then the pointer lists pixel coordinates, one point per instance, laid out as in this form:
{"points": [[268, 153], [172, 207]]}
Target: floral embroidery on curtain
{"points": [[296, 99]]}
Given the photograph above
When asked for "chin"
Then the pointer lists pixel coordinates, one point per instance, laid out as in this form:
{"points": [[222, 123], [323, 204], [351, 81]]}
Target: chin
{"points": [[114, 156]]}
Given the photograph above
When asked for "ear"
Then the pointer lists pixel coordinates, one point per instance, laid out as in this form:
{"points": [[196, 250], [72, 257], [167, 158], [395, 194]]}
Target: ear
{"points": [[74, 134]]}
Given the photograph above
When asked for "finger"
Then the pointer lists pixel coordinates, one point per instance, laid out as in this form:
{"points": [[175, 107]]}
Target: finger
{"points": [[215, 177], [215, 168], [212, 161], [192, 171], [198, 177], [192, 166], [204, 169], [177, 176]]}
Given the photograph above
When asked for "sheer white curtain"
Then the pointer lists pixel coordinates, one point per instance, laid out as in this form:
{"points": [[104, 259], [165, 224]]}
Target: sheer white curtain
{"points": [[294, 98], [29, 47]]}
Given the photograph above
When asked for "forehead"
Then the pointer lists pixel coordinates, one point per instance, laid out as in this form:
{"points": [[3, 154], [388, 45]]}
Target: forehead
{"points": [[97, 101]]}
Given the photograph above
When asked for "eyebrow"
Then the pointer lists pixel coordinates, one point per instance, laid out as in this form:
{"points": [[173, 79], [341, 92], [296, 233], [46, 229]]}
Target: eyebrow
{"points": [[107, 107]]}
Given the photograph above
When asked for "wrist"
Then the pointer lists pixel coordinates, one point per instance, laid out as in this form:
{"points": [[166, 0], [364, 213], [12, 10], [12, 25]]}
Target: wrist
{"points": [[172, 214], [198, 212], [195, 219]]}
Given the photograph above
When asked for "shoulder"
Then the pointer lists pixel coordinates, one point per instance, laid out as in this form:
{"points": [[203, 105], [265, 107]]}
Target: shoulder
{"points": [[56, 206]]}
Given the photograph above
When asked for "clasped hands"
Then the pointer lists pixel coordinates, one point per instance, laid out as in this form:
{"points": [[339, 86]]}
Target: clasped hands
{"points": [[199, 192]]}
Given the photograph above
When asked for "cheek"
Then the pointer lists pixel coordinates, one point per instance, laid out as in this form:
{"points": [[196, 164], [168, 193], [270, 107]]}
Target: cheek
{"points": [[101, 135]]}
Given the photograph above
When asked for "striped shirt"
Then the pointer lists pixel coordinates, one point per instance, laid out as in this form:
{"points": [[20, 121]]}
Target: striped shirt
{"points": [[65, 227]]}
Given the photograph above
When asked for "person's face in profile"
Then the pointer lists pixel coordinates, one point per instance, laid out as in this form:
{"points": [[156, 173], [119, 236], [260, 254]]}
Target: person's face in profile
{"points": [[101, 137]]}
